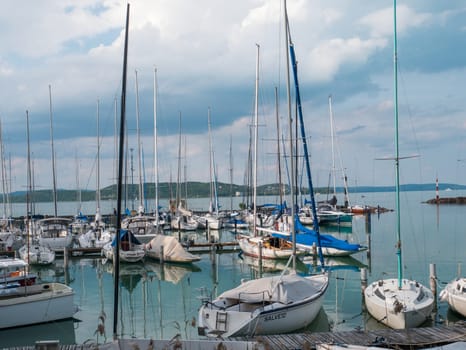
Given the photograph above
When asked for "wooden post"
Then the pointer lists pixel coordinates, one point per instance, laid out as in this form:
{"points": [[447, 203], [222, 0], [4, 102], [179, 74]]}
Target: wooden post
{"points": [[162, 260], [260, 259], [433, 282], [363, 279], [363, 286], [65, 256]]}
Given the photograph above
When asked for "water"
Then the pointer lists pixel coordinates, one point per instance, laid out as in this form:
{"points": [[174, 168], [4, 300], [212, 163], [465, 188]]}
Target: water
{"points": [[159, 301]]}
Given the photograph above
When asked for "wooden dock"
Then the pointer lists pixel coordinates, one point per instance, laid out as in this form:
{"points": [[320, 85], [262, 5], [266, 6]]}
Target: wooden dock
{"points": [[414, 338]]}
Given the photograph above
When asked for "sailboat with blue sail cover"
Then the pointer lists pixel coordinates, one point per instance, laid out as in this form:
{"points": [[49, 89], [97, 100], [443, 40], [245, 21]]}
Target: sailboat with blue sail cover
{"points": [[267, 305]]}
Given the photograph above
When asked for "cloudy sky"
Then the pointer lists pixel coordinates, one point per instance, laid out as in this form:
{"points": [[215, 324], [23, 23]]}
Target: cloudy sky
{"points": [[205, 55]]}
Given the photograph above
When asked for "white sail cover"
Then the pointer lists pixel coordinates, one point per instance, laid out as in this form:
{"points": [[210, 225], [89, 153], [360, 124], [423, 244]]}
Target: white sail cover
{"points": [[172, 249], [285, 289]]}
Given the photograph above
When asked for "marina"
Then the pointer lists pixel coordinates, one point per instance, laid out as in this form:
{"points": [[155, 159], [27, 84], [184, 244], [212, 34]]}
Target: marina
{"points": [[161, 301]]}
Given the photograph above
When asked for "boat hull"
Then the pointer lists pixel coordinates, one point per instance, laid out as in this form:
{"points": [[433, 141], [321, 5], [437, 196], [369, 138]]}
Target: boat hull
{"points": [[403, 308], [256, 247], [43, 303], [250, 320], [454, 294]]}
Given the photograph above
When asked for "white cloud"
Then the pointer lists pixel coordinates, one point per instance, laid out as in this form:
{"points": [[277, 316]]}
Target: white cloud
{"points": [[326, 59]]}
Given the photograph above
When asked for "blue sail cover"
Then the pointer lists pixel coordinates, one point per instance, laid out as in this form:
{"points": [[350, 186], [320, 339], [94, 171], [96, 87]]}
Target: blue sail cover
{"points": [[126, 235], [308, 237]]}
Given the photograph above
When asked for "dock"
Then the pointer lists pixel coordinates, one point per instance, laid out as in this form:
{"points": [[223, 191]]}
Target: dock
{"points": [[414, 338]]}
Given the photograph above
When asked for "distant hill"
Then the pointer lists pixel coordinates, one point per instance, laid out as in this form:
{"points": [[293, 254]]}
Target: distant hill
{"points": [[202, 190]]}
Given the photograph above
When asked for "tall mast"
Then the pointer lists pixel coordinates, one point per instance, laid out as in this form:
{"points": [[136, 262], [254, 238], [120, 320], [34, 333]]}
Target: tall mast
{"points": [[4, 179], [156, 164], [231, 176], [178, 182], [97, 193], [280, 188], [116, 274], [141, 189], [213, 207], [256, 135], [53, 154], [397, 151], [115, 138], [290, 122], [333, 147]]}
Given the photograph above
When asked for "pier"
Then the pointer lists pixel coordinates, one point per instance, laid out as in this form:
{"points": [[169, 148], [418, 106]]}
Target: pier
{"points": [[414, 338]]}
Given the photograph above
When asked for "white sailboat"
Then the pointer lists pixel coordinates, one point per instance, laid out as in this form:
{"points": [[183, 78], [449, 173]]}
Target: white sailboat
{"points": [[54, 232], [260, 243], [454, 294], [267, 305], [398, 302], [211, 219]]}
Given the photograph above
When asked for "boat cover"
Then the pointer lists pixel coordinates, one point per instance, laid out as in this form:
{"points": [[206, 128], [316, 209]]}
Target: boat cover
{"points": [[306, 236], [172, 249], [284, 289]]}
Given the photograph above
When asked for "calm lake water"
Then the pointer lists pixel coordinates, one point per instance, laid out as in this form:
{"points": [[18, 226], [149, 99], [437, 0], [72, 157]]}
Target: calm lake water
{"points": [[160, 301]]}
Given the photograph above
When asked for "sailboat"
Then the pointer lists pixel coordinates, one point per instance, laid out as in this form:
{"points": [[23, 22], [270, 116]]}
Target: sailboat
{"points": [[262, 245], [454, 294], [53, 231], [211, 219], [327, 211], [97, 235], [182, 219], [141, 225], [267, 305], [32, 252], [398, 302]]}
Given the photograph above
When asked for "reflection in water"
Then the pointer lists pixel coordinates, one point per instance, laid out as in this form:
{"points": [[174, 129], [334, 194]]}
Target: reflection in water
{"points": [[63, 331]]}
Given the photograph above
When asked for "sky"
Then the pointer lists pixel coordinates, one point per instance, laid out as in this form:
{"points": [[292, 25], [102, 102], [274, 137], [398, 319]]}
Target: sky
{"points": [[62, 62]]}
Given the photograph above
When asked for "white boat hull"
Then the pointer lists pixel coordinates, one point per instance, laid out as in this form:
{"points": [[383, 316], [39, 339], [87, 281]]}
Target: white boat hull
{"points": [[37, 255], [454, 294], [44, 303], [135, 254], [252, 319], [403, 308], [255, 247]]}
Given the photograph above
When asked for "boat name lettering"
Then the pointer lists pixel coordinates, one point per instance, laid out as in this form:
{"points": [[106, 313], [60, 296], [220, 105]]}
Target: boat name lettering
{"points": [[275, 317]]}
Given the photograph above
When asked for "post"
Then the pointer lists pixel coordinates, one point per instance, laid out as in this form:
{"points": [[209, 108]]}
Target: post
{"points": [[162, 260], [260, 259], [65, 257], [433, 282], [363, 286], [363, 279]]}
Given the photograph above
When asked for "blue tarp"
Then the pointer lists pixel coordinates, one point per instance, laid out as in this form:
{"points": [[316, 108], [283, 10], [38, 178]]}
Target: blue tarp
{"points": [[126, 235], [308, 237]]}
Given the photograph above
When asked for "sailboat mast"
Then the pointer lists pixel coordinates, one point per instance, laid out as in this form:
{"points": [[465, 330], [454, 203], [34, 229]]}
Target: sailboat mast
{"points": [[280, 188], [156, 164], [290, 131], [178, 188], [304, 141], [256, 135], [141, 189], [116, 284], [53, 154], [98, 158], [397, 151], [29, 187], [332, 139], [4, 180], [211, 204]]}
